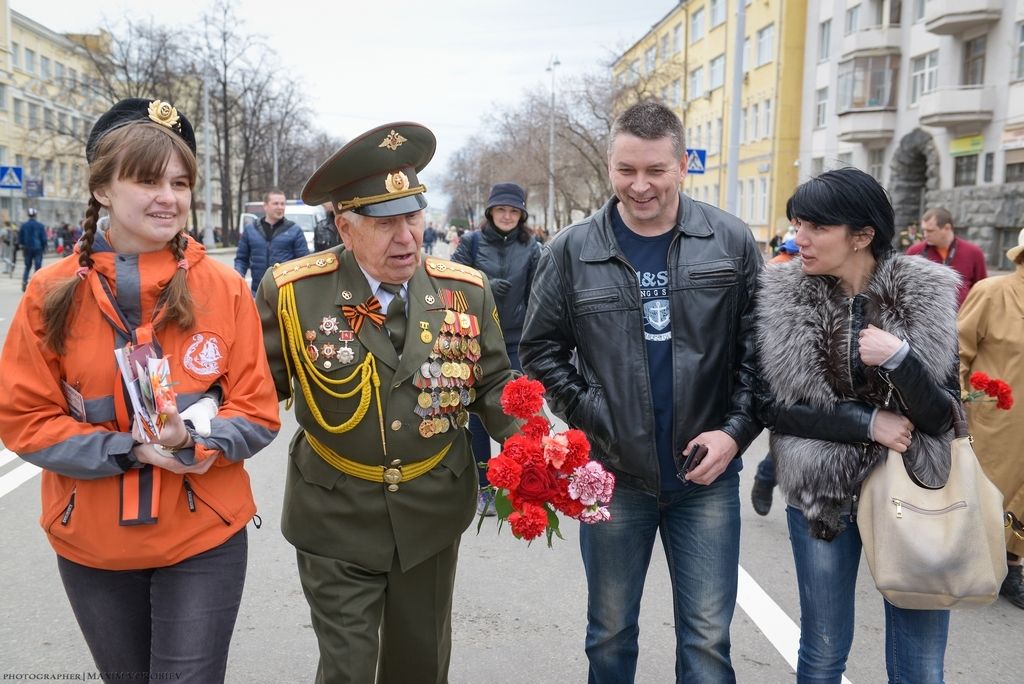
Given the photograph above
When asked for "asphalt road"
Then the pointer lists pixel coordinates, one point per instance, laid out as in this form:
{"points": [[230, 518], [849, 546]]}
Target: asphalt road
{"points": [[519, 613]]}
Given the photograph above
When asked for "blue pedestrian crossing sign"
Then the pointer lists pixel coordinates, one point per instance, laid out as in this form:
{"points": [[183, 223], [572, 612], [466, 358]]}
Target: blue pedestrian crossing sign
{"points": [[11, 178], [696, 160]]}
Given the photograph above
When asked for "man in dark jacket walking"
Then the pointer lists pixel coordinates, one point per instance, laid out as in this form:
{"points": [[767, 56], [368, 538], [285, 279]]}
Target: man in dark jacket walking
{"points": [[654, 294], [32, 238], [271, 240]]}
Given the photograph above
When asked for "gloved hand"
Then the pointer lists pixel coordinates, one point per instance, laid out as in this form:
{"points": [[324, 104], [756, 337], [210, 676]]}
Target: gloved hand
{"points": [[201, 413], [499, 286]]}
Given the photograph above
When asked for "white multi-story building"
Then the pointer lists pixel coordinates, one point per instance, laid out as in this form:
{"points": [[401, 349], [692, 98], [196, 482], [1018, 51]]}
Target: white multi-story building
{"points": [[928, 97]]}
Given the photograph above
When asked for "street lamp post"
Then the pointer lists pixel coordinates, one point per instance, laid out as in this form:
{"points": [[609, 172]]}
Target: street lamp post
{"points": [[552, 65]]}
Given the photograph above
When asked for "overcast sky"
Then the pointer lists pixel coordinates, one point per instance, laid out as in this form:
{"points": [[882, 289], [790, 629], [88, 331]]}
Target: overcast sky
{"points": [[442, 63]]}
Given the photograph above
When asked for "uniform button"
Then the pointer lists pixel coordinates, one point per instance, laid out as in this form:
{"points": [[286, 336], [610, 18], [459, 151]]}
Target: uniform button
{"points": [[396, 425], [397, 385]]}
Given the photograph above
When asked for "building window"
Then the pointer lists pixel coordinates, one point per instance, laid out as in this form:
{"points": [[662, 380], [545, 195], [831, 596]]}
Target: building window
{"points": [[746, 55], [707, 136], [750, 199], [33, 115], [767, 109], [965, 170], [868, 82], [924, 75], [15, 55], [717, 12], [990, 166], [48, 119], [852, 20], [764, 44], [44, 67], [763, 209], [755, 122], [664, 47], [1015, 173], [19, 112], [876, 163], [72, 77], [696, 83], [677, 38], [824, 40], [62, 122], [697, 25], [3, 97], [58, 71], [821, 108], [717, 74], [743, 125], [739, 200], [30, 61], [919, 10], [650, 59], [719, 129], [677, 92], [1020, 50], [974, 61]]}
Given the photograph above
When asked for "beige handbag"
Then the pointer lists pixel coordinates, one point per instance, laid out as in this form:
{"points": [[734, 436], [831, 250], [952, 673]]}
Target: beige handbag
{"points": [[934, 548]]}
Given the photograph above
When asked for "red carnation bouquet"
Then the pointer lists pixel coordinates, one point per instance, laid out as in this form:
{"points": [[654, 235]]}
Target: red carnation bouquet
{"points": [[538, 475], [988, 389]]}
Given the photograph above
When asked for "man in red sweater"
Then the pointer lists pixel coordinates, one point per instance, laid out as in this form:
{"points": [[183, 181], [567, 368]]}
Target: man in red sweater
{"points": [[942, 246]]}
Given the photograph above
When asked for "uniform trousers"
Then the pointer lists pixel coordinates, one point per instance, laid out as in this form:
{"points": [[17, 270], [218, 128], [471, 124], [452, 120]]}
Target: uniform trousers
{"points": [[395, 624]]}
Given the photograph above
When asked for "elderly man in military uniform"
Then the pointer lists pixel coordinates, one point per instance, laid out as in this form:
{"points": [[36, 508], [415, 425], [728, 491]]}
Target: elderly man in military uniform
{"points": [[383, 353]]}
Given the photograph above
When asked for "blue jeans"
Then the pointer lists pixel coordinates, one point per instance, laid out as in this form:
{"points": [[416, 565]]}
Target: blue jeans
{"points": [[33, 258], [480, 440], [174, 622], [915, 640], [700, 532]]}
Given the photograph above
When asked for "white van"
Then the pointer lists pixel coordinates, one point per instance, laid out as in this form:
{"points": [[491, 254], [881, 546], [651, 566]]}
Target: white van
{"points": [[304, 215]]}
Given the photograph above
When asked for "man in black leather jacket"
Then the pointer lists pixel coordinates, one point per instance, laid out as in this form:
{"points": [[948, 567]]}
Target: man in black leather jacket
{"points": [[654, 294]]}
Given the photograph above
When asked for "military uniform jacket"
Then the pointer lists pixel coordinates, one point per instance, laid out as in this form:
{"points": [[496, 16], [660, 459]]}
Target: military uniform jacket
{"points": [[330, 513]]}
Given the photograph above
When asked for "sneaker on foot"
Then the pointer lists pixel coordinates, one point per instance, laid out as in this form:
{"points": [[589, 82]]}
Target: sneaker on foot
{"points": [[761, 496], [1013, 586], [485, 504]]}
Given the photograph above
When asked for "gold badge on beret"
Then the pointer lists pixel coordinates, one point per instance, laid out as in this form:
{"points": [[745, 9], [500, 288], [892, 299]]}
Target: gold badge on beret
{"points": [[163, 113]]}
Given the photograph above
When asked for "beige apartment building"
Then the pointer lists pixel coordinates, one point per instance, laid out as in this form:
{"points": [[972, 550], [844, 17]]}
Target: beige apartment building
{"points": [[686, 61], [46, 112], [927, 96]]}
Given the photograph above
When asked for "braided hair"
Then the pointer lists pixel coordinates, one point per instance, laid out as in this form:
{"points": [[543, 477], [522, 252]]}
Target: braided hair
{"points": [[136, 150]]}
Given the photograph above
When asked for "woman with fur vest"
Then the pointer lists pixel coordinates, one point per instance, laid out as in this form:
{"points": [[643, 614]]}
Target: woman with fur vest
{"points": [[870, 365]]}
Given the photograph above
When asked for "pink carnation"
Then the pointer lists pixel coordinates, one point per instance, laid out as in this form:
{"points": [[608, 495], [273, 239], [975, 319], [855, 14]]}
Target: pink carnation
{"points": [[555, 449], [591, 484], [595, 514]]}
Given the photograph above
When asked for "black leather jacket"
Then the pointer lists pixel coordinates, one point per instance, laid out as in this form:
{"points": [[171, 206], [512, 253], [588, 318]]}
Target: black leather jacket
{"points": [[586, 299], [503, 257]]}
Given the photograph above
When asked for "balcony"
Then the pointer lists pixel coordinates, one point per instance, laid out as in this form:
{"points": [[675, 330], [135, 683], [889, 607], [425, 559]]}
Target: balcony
{"points": [[877, 40], [947, 107], [866, 125], [951, 17]]}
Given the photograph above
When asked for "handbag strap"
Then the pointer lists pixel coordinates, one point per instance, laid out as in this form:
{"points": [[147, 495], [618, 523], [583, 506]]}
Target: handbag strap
{"points": [[959, 419]]}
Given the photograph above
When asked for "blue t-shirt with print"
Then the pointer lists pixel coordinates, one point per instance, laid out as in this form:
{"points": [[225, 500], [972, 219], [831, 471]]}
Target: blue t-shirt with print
{"points": [[649, 258]]}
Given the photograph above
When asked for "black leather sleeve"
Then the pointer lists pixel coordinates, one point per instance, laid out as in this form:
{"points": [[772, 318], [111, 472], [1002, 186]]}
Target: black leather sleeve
{"points": [[847, 421], [927, 404], [546, 346]]}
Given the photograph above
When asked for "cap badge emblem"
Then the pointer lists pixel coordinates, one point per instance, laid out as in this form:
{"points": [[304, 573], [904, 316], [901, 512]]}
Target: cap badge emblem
{"points": [[392, 141], [396, 181], [164, 114]]}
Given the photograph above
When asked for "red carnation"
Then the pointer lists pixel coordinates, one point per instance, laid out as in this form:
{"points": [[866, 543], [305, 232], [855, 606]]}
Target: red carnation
{"points": [[530, 523], [564, 503], [523, 450], [980, 381], [522, 398], [504, 472], [579, 450], [536, 427], [1003, 394], [536, 485]]}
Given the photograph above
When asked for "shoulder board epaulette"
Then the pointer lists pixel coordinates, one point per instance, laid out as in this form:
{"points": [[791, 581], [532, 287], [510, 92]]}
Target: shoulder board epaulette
{"points": [[304, 267], [442, 268]]}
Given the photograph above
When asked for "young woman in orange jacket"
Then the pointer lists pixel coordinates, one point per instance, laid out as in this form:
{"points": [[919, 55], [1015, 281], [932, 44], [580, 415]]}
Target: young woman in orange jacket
{"points": [[149, 535]]}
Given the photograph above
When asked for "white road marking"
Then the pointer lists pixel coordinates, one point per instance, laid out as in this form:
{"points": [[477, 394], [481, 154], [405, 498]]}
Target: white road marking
{"points": [[6, 456], [17, 477], [777, 627]]}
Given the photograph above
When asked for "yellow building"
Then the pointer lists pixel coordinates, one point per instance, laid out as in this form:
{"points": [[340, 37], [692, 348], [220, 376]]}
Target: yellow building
{"points": [[686, 60], [46, 112]]}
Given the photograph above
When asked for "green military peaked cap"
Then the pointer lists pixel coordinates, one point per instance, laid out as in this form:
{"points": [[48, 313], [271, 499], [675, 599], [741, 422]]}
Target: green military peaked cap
{"points": [[375, 174]]}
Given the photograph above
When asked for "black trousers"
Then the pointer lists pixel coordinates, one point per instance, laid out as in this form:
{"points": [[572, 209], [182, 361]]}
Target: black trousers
{"points": [[174, 622]]}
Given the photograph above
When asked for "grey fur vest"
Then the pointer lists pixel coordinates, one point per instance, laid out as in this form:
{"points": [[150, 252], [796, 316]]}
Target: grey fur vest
{"points": [[803, 332]]}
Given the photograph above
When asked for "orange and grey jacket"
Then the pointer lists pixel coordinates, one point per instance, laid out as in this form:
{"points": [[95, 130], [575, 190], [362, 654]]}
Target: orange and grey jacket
{"points": [[87, 458]]}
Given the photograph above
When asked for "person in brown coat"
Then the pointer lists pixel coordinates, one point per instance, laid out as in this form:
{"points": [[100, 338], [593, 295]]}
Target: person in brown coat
{"points": [[991, 327]]}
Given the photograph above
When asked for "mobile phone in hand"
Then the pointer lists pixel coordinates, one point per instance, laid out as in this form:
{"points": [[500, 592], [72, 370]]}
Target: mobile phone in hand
{"points": [[691, 460]]}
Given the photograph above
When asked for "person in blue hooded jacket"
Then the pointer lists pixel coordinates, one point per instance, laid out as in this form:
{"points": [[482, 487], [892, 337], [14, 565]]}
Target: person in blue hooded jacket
{"points": [[271, 240], [32, 238]]}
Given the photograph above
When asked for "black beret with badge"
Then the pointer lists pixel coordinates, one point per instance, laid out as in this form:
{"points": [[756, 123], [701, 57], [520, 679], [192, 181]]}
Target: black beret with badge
{"points": [[138, 109], [375, 174]]}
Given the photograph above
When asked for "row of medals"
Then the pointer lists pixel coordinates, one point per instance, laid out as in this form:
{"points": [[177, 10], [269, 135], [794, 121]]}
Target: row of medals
{"points": [[446, 379]]}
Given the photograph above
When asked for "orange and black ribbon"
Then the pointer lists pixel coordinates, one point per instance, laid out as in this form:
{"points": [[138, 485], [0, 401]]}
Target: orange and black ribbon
{"points": [[370, 309]]}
